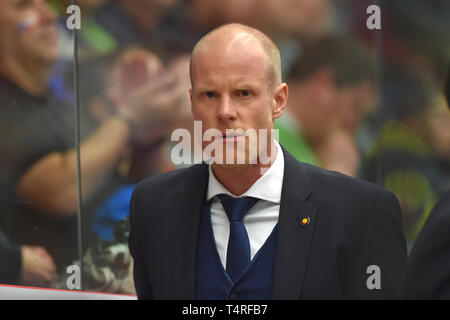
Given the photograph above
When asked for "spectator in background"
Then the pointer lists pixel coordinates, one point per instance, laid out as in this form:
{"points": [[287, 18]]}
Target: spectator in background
{"points": [[331, 92], [93, 42], [404, 159], [36, 134], [136, 22], [105, 83], [305, 19], [413, 37], [210, 14], [293, 23], [93, 39], [408, 156], [24, 54], [427, 275], [107, 27]]}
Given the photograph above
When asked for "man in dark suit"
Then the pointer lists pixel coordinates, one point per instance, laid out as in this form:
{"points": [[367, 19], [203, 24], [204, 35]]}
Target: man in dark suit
{"points": [[428, 271], [271, 228]]}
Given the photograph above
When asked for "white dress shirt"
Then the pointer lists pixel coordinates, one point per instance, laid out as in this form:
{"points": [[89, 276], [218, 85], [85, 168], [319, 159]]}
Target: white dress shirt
{"points": [[261, 219]]}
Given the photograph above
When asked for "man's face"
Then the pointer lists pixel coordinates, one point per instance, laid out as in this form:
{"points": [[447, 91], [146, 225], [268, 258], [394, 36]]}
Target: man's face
{"points": [[231, 90], [28, 30]]}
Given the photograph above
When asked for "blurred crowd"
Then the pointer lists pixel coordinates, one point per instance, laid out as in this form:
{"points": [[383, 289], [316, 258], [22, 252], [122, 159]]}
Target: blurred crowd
{"points": [[367, 103]]}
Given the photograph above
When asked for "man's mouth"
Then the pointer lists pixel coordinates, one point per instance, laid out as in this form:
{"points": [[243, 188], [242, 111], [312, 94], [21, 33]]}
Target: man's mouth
{"points": [[230, 136]]}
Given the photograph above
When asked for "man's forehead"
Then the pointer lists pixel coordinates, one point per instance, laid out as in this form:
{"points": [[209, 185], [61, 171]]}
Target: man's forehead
{"points": [[240, 40], [234, 65], [231, 53], [239, 57], [223, 42]]}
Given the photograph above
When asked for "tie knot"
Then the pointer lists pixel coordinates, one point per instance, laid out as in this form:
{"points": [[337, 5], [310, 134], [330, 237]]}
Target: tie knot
{"points": [[236, 208]]}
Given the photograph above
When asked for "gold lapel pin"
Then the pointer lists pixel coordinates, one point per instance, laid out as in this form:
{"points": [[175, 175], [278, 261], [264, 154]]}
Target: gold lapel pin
{"points": [[305, 221]]}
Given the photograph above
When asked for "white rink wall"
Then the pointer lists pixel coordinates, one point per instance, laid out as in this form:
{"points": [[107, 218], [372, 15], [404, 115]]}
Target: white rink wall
{"points": [[29, 293]]}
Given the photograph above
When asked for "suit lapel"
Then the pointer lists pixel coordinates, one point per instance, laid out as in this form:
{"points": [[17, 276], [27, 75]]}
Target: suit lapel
{"points": [[186, 211], [294, 238]]}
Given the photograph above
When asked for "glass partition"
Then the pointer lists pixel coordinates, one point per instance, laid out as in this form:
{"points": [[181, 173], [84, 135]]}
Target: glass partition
{"points": [[76, 135], [38, 192]]}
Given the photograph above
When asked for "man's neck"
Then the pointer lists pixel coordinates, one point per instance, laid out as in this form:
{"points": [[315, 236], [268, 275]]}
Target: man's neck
{"points": [[31, 77], [239, 178]]}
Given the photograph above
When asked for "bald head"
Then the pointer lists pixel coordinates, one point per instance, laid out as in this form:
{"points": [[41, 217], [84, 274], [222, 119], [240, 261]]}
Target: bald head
{"points": [[238, 36]]}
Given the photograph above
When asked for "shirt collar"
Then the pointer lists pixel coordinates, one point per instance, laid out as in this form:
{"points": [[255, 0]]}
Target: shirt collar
{"points": [[267, 187]]}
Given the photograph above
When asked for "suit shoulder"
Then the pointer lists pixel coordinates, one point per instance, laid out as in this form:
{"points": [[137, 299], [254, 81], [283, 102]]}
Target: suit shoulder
{"points": [[166, 180], [339, 183]]}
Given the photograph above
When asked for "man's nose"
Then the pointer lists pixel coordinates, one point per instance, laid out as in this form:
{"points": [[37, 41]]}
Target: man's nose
{"points": [[226, 110]]}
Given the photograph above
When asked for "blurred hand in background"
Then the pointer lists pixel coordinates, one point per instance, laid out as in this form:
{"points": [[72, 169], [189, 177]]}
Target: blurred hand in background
{"points": [[38, 267]]}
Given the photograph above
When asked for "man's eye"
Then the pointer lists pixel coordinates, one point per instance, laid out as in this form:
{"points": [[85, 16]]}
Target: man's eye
{"points": [[243, 93], [209, 94]]}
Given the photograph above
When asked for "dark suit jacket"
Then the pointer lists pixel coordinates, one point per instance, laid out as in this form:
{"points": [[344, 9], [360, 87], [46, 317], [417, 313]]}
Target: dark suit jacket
{"points": [[428, 271], [353, 224]]}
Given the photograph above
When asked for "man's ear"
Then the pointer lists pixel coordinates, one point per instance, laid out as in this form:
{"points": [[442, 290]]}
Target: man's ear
{"points": [[280, 98]]}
